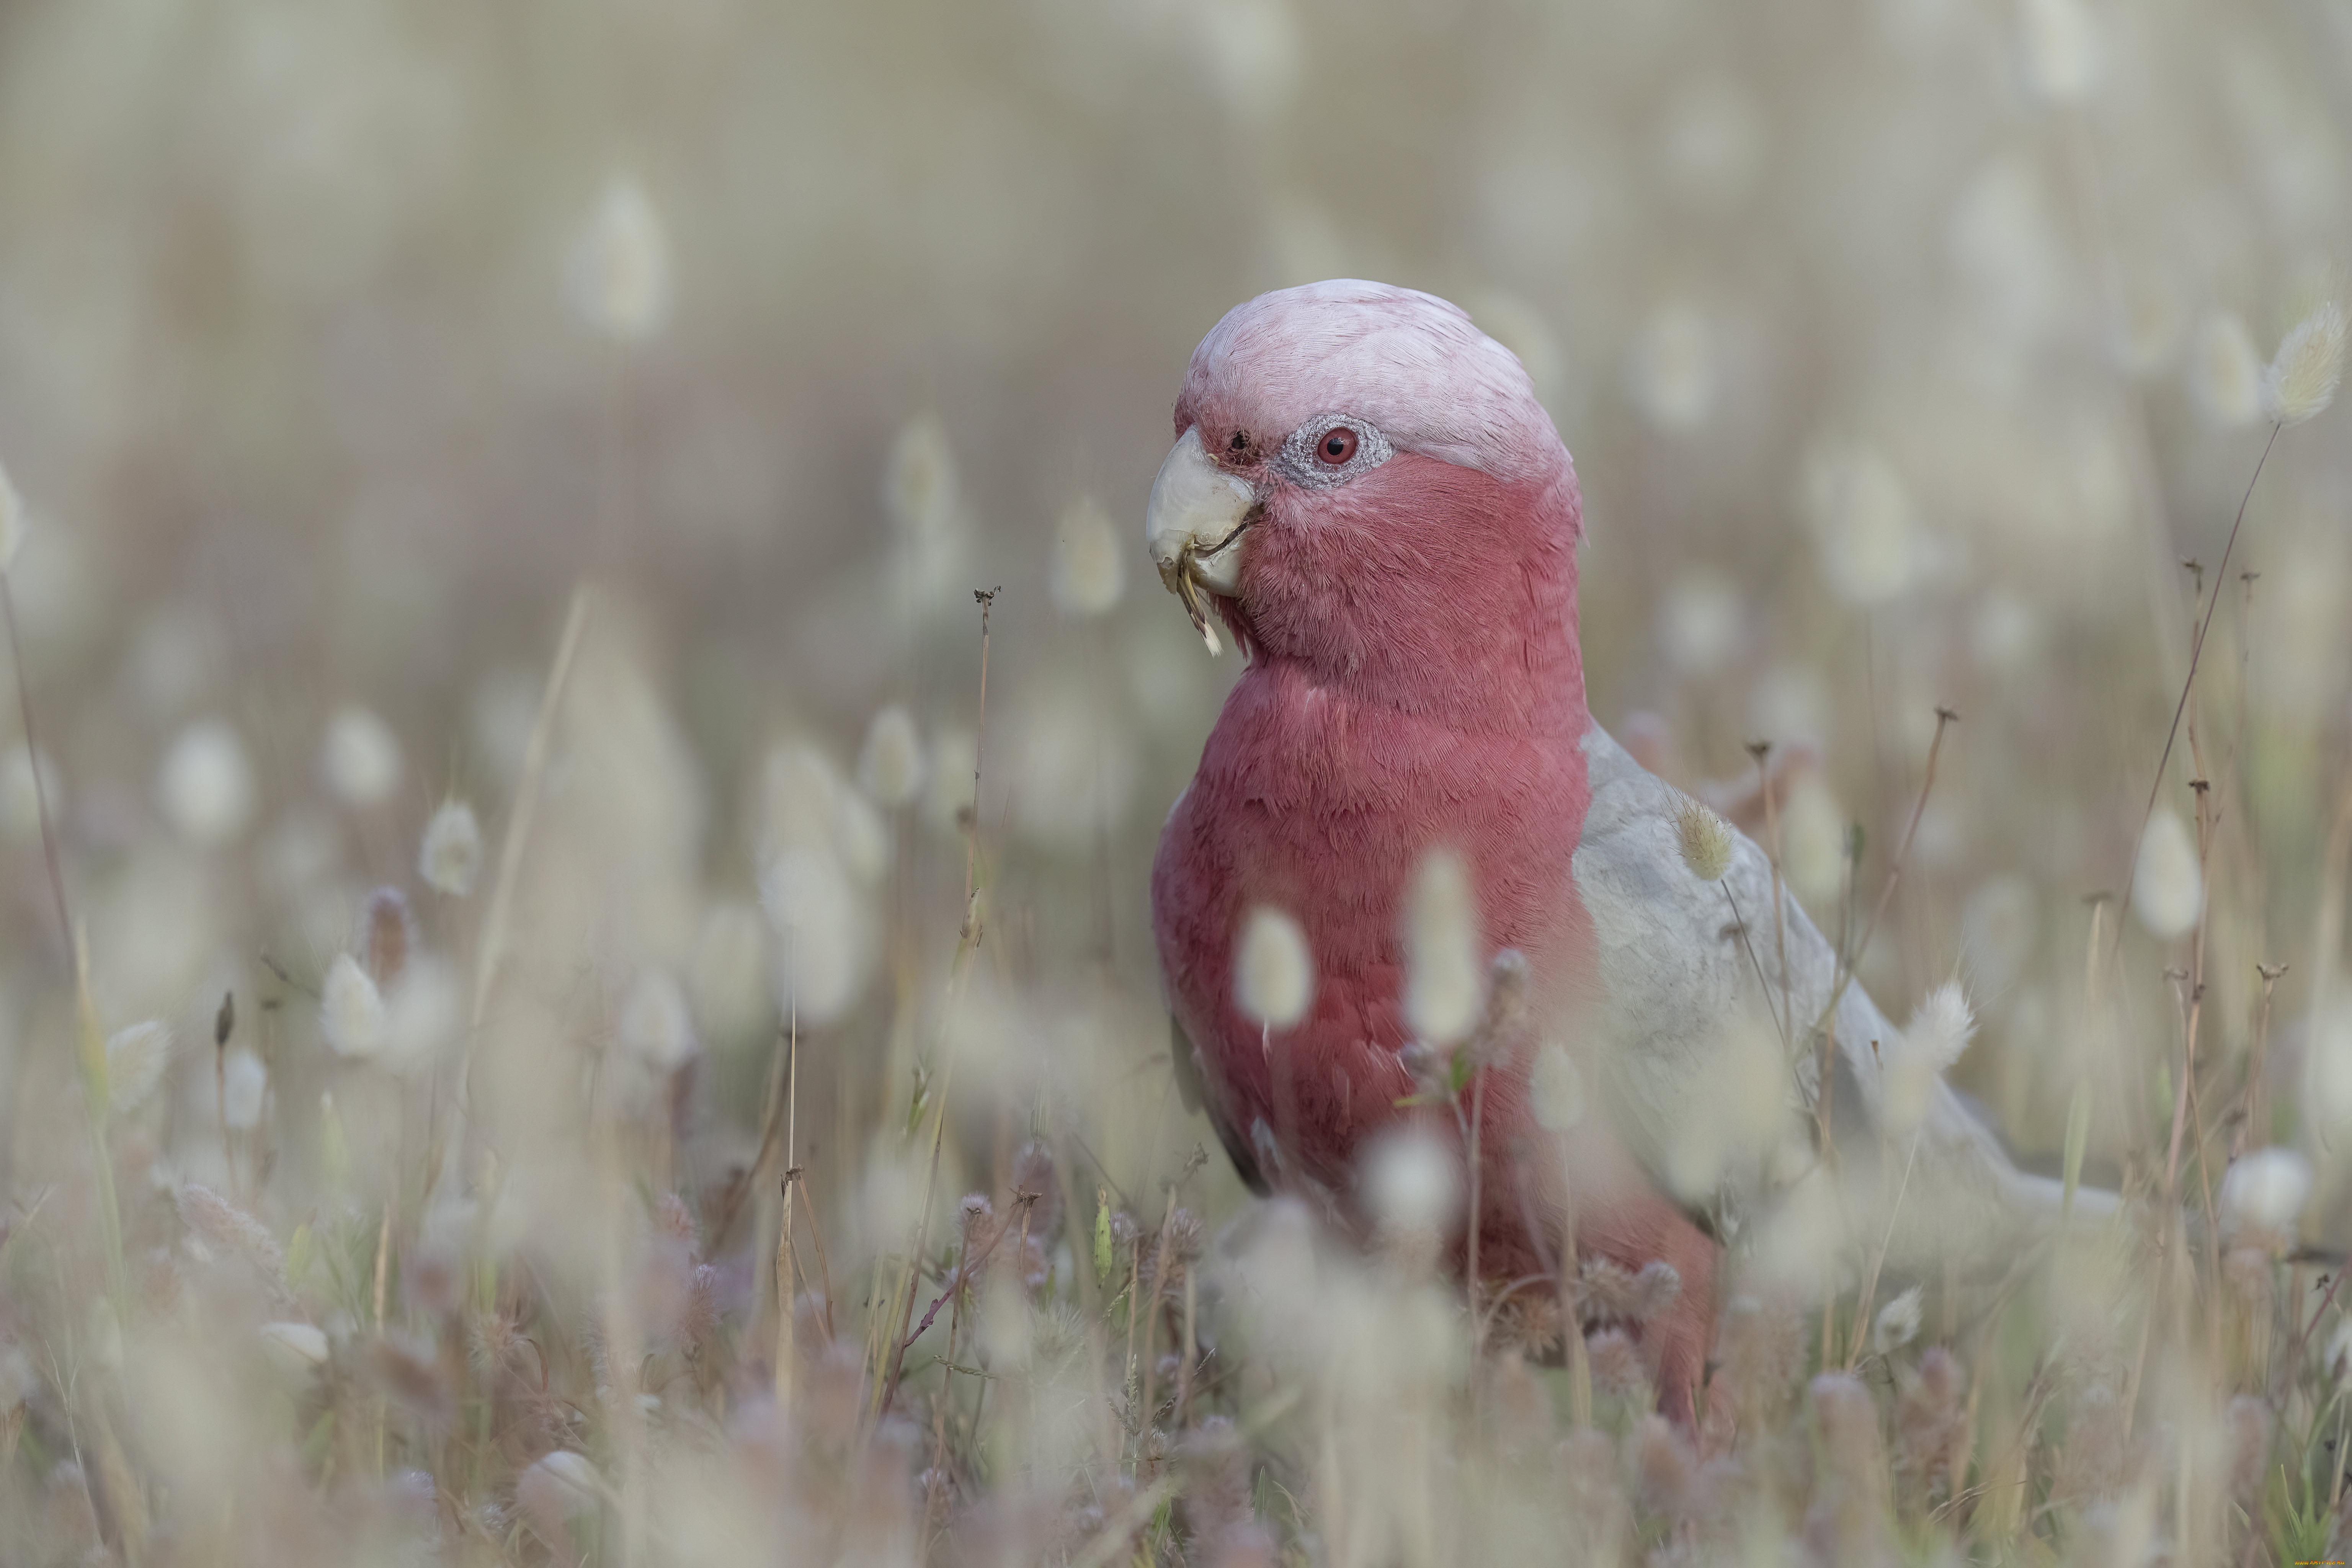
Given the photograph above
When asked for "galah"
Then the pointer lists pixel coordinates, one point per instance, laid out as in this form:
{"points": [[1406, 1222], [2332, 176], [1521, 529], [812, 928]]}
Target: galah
{"points": [[1366, 495]]}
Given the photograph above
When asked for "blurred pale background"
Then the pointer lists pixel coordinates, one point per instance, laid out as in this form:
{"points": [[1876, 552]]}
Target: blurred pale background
{"points": [[1906, 349]]}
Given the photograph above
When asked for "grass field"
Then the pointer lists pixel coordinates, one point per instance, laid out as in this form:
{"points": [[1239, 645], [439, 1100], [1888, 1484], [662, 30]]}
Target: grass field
{"points": [[594, 719]]}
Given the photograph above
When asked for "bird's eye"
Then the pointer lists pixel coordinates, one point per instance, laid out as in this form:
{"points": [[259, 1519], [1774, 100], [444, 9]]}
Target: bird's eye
{"points": [[1337, 444], [1240, 442]]}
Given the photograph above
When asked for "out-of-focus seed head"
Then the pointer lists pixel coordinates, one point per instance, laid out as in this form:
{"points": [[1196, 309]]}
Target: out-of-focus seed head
{"points": [[1444, 983], [245, 1090], [1413, 1184], [1558, 1089], [1273, 973], [2062, 57], [1897, 1323], [1872, 544], [656, 1025], [1929, 1418], [207, 786], [1089, 560], [420, 1015], [1700, 621], [1812, 841], [1618, 1371], [1675, 371], [618, 280], [135, 1060], [2169, 886], [1918, 1057], [557, 1488], [12, 521], [1705, 840], [2263, 1197], [825, 949], [359, 756], [2225, 372], [224, 1227], [297, 1348], [450, 858], [2302, 378], [350, 1009], [890, 766]]}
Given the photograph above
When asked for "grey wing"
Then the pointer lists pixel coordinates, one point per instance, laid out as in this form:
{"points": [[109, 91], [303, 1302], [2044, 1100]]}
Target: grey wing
{"points": [[1713, 1029]]}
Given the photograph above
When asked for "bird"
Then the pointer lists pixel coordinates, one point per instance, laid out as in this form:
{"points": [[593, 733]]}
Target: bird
{"points": [[1366, 496]]}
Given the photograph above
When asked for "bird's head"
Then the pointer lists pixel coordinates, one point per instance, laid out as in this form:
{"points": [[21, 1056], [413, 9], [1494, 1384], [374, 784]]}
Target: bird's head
{"points": [[1364, 482]]}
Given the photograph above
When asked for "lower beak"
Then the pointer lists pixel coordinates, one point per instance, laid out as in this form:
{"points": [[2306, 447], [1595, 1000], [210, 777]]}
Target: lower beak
{"points": [[1194, 526]]}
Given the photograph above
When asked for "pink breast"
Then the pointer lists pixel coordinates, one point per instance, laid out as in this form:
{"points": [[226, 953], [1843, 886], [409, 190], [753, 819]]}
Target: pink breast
{"points": [[1323, 807]]}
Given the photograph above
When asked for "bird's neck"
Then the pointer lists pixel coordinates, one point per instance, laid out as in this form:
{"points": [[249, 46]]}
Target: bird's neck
{"points": [[1447, 597]]}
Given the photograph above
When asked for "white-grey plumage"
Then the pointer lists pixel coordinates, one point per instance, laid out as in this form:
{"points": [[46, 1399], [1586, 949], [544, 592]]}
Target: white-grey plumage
{"points": [[1694, 984]]}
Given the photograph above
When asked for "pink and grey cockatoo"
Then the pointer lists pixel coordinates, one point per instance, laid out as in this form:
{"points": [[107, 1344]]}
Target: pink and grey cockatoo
{"points": [[1367, 494]]}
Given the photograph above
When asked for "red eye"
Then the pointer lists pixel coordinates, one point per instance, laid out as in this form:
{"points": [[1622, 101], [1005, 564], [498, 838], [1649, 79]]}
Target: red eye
{"points": [[1339, 444]]}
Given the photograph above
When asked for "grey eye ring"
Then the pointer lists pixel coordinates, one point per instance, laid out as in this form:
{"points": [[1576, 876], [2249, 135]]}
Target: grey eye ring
{"points": [[1332, 448]]}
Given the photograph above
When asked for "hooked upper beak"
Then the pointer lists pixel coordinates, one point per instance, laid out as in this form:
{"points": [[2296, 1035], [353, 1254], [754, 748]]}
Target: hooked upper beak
{"points": [[1195, 527]]}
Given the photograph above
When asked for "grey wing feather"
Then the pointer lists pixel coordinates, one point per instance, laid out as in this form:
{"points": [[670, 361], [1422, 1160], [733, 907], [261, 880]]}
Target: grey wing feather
{"points": [[1686, 965]]}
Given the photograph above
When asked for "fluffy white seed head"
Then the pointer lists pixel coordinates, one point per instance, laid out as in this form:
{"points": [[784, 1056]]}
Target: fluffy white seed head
{"points": [[619, 276], [207, 786], [1675, 369], [245, 1090], [12, 521], [450, 858], [1273, 973], [135, 1060], [295, 1348], [2169, 886], [924, 496], [1558, 1089], [891, 765], [359, 757], [2225, 372], [654, 1025], [1700, 621], [557, 1488], [1926, 1049], [1865, 524], [1445, 988], [825, 948], [1705, 840], [2302, 379], [1898, 1324], [422, 1013], [350, 1009], [1413, 1184], [1089, 560], [2263, 1194], [1812, 841], [2062, 57]]}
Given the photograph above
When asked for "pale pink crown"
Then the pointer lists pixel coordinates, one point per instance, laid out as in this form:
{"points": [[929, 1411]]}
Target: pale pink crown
{"points": [[1410, 362]]}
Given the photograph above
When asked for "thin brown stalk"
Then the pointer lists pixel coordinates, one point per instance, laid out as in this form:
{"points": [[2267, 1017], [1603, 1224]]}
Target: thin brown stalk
{"points": [[492, 949], [797, 1177], [1849, 963], [1870, 1282], [787, 1286], [1151, 1316], [1761, 750], [2255, 1121], [2196, 654], [967, 939]]}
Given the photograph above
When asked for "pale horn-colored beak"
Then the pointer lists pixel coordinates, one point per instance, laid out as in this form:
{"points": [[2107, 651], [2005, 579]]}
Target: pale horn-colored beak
{"points": [[1194, 526]]}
